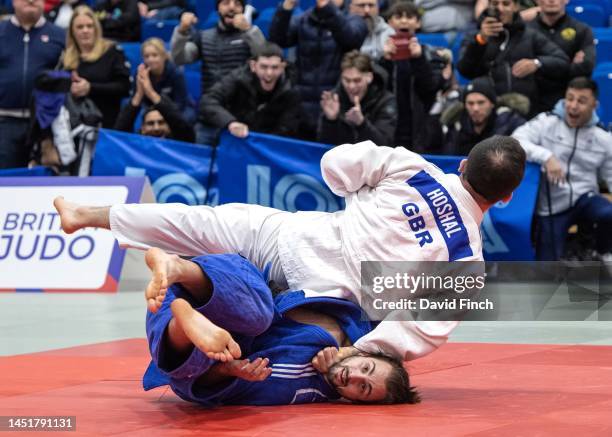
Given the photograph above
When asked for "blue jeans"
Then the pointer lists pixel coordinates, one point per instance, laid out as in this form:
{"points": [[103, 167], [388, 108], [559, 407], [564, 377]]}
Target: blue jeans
{"points": [[13, 136], [591, 208]]}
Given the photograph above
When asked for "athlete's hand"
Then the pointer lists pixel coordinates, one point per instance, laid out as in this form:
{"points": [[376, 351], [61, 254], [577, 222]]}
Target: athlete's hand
{"points": [[256, 370], [325, 359], [329, 356]]}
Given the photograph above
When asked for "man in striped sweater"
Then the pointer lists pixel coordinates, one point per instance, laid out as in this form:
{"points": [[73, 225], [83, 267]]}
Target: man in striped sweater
{"points": [[219, 309]]}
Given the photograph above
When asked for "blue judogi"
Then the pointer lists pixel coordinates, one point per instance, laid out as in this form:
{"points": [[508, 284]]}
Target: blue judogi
{"points": [[243, 304]]}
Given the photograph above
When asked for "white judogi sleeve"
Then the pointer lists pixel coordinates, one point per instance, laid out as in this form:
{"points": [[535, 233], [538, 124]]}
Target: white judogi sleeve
{"points": [[407, 340], [376, 183], [350, 167]]}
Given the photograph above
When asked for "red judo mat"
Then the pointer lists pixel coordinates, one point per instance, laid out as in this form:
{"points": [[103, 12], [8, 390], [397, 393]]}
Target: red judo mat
{"points": [[470, 389]]}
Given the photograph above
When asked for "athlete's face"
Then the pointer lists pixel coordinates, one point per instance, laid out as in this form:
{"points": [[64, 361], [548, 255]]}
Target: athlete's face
{"points": [[360, 378]]}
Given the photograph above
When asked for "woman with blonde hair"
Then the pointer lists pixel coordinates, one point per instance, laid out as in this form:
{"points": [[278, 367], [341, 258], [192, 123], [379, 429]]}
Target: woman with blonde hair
{"points": [[166, 78], [99, 68]]}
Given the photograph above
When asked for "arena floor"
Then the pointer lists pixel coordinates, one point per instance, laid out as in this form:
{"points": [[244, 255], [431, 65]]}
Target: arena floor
{"points": [[83, 355]]}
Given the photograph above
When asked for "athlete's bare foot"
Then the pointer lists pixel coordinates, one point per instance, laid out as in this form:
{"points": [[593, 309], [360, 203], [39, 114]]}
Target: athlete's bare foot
{"points": [[69, 214], [165, 270], [215, 342]]}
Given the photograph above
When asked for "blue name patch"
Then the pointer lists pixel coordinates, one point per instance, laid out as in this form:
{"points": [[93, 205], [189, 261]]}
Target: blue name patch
{"points": [[446, 214]]}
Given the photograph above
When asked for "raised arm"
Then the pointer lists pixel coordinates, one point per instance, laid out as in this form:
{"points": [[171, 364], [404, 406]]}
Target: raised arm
{"points": [[349, 167]]}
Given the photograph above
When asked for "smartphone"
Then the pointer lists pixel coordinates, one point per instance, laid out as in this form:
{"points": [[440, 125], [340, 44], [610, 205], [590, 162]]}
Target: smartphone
{"points": [[493, 12], [402, 44]]}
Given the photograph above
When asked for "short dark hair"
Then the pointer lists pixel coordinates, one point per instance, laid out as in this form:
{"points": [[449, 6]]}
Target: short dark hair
{"points": [[495, 167], [147, 110], [403, 7], [267, 50], [584, 83], [356, 59], [399, 390]]}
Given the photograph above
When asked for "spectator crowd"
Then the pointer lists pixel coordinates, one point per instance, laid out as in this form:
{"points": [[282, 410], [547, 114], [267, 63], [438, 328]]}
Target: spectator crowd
{"points": [[332, 71]]}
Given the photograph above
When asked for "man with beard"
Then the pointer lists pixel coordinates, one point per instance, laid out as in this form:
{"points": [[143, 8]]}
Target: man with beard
{"points": [[378, 29], [223, 48], [512, 54], [163, 119], [573, 37], [258, 96], [214, 309], [360, 108]]}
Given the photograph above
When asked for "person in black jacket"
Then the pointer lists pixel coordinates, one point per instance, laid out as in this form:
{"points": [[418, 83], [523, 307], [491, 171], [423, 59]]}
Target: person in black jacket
{"points": [[162, 119], [227, 46], [574, 38], [99, 68], [511, 53], [120, 19], [258, 96], [481, 116], [360, 108], [415, 76], [322, 35]]}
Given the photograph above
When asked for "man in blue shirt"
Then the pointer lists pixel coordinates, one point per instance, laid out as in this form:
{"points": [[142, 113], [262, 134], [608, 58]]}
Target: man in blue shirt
{"points": [[219, 309], [29, 46]]}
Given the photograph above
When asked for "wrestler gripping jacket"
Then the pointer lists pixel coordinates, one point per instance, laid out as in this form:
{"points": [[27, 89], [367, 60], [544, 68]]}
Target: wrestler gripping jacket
{"points": [[289, 345], [399, 207]]}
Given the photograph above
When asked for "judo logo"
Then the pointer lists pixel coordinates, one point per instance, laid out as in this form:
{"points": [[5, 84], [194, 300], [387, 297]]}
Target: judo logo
{"points": [[491, 240], [178, 187], [292, 192]]}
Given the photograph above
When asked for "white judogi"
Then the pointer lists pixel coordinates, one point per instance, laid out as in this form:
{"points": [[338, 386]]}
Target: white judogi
{"points": [[399, 207]]}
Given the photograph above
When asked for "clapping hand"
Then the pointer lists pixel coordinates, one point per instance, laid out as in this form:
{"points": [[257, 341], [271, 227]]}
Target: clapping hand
{"points": [[354, 115], [330, 104]]}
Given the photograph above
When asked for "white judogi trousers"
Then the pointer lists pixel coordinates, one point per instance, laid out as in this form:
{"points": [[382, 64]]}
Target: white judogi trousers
{"points": [[249, 230]]}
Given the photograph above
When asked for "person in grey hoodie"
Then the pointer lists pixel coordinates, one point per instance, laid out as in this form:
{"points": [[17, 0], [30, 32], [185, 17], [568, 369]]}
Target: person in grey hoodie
{"points": [[573, 152], [378, 29]]}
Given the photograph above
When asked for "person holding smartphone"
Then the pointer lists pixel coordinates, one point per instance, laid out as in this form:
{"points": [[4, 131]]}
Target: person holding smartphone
{"points": [[512, 54], [415, 76]]}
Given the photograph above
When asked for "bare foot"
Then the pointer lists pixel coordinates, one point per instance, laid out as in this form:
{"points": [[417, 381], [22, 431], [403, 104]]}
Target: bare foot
{"points": [[69, 215], [215, 342], [164, 272]]}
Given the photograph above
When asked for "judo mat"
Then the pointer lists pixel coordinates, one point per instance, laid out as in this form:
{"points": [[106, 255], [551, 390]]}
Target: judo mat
{"points": [[468, 389]]}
